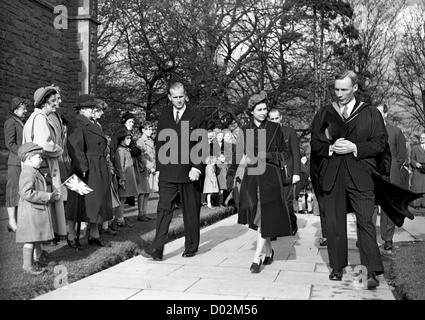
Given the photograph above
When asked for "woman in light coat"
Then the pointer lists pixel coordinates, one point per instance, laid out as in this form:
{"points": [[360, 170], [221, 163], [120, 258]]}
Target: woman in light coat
{"points": [[146, 144], [40, 130]]}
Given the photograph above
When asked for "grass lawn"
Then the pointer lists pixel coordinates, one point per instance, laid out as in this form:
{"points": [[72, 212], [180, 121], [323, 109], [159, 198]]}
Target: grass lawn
{"points": [[16, 285], [405, 267]]}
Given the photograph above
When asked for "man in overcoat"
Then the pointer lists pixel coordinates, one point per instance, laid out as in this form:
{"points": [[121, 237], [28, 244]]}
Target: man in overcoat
{"points": [[397, 144], [293, 162]]}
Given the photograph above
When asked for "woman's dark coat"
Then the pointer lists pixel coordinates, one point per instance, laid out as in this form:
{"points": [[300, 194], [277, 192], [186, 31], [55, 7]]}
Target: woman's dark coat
{"points": [[87, 148], [275, 221]]}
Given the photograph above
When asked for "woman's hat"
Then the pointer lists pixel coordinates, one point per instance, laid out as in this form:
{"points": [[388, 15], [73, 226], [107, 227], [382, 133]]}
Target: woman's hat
{"points": [[256, 99], [121, 133], [16, 102], [40, 93], [126, 116], [29, 147], [85, 101]]}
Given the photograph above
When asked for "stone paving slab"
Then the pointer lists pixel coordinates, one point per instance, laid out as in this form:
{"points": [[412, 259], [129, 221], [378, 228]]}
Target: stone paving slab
{"points": [[220, 270]]}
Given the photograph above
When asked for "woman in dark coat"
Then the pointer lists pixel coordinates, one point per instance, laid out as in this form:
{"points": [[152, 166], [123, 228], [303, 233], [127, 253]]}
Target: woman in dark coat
{"points": [[87, 148], [262, 205], [13, 139]]}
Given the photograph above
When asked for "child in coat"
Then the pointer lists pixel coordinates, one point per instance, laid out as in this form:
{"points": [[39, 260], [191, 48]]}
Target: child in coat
{"points": [[124, 168], [210, 182], [35, 222]]}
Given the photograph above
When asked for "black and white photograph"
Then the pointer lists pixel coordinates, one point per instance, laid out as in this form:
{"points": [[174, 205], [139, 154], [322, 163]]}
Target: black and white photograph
{"points": [[212, 158]]}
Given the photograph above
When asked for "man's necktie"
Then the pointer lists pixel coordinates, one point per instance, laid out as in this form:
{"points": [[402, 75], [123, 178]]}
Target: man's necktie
{"points": [[344, 112], [177, 117]]}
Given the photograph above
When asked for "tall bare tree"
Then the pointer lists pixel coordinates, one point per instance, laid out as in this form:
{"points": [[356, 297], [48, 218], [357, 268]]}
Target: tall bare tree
{"points": [[410, 68]]}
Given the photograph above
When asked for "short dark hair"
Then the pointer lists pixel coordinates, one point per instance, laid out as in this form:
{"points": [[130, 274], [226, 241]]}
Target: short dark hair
{"points": [[46, 97], [274, 110], [145, 124]]}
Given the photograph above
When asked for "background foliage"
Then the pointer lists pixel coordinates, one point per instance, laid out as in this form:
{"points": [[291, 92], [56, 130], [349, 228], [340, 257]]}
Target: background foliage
{"points": [[226, 50]]}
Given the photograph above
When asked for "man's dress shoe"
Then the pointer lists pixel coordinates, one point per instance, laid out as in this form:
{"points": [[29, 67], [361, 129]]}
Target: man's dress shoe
{"points": [[156, 254], [372, 282], [294, 230], [336, 275], [188, 254]]}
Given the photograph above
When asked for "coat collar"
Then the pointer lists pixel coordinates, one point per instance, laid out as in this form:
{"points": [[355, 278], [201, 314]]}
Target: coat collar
{"points": [[91, 126], [13, 116]]}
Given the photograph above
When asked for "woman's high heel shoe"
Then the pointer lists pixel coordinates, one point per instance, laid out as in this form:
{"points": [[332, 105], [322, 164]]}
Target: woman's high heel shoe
{"points": [[97, 241], [74, 244], [10, 228], [269, 260], [255, 267]]}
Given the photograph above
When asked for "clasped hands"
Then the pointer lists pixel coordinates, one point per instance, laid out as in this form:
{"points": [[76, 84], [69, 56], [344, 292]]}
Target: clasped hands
{"points": [[342, 146]]}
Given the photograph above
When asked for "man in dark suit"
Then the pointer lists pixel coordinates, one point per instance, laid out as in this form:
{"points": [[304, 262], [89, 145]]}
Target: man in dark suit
{"points": [[348, 136], [397, 144], [181, 148], [294, 163]]}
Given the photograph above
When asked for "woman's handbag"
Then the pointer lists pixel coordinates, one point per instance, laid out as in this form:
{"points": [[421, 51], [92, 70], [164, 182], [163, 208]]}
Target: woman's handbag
{"points": [[283, 167]]}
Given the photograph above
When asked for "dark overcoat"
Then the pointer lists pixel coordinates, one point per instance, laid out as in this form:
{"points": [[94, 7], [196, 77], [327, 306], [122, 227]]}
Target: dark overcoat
{"points": [[87, 148], [13, 139], [266, 183], [418, 178]]}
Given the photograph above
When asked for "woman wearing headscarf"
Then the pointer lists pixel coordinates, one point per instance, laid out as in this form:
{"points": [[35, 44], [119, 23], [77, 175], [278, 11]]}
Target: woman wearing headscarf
{"points": [[13, 139], [261, 205], [40, 130]]}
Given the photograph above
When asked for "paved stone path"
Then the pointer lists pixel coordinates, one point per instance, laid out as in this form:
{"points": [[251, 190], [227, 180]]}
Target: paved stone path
{"points": [[220, 270]]}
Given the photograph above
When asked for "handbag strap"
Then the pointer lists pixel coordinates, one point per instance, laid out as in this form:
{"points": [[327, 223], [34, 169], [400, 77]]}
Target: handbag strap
{"points": [[271, 140]]}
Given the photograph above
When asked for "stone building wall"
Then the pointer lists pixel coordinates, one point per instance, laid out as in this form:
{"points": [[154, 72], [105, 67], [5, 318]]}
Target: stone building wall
{"points": [[37, 50]]}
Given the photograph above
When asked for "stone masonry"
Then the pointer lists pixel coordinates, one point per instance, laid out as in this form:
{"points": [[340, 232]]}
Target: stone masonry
{"points": [[44, 42]]}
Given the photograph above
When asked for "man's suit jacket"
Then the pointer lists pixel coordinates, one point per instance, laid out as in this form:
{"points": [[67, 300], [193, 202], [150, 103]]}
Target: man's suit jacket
{"points": [[291, 140], [177, 143], [398, 149], [365, 127]]}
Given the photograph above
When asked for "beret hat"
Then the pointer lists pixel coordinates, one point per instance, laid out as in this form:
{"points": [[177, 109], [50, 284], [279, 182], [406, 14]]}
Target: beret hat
{"points": [[40, 93], [256, 99], [28, 148]]}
